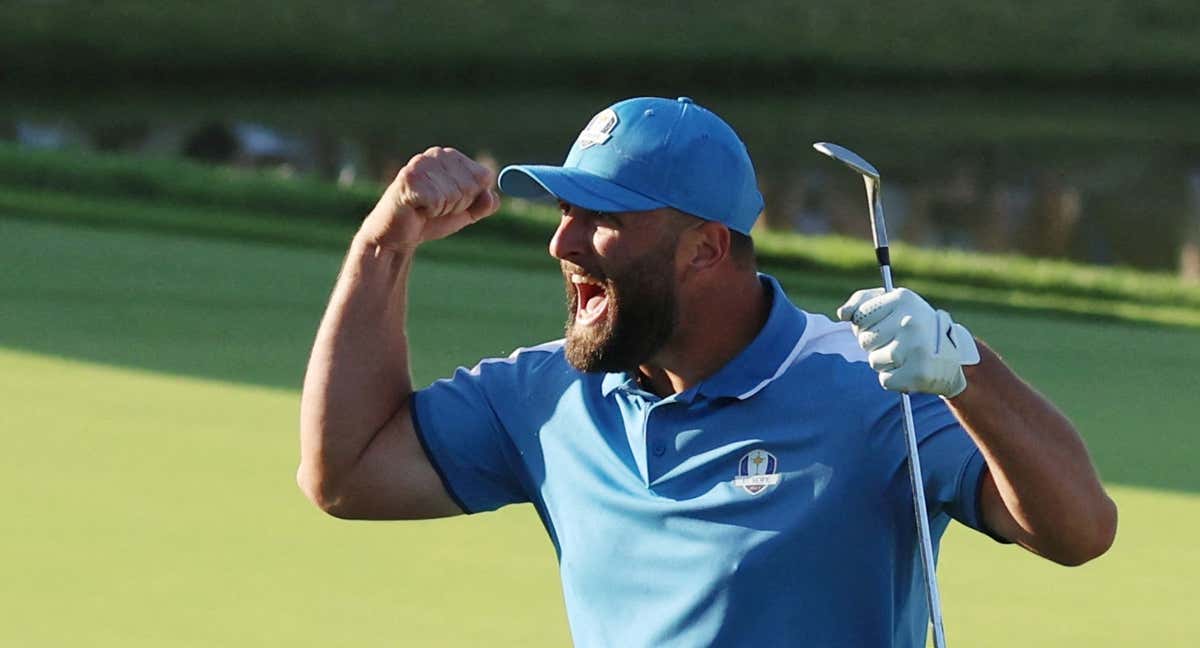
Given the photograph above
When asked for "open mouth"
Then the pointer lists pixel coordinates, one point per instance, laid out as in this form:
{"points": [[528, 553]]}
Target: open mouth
{"points": [[591, 301]]}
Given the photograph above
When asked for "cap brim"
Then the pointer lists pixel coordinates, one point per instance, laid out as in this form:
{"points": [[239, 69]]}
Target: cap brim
{"points": [[572, 186]]}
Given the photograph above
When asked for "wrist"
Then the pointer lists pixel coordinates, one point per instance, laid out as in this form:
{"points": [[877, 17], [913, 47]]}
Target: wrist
{"points": [[958, 385], [368, 241], [371, 256], [390, 227], [975, 375]]}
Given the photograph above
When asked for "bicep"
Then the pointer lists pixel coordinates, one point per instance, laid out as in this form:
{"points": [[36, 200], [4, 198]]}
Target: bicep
{"points": [[394, 479]]}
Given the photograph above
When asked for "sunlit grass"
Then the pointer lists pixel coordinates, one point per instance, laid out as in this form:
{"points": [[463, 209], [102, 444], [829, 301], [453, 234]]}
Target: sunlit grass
{"points": [[150, 508], [171, 195], [157, 510]]}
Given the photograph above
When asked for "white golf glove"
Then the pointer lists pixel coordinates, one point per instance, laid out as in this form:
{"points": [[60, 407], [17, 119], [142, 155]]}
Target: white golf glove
{"points": [[913, 347]]}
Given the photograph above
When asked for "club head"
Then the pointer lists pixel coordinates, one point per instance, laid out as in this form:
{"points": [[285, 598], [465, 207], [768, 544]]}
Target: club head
{"points": [[870, 176], [849, 158]]}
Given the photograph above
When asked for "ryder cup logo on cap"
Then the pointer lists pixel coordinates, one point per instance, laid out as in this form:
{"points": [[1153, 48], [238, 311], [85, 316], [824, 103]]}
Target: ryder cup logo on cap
{"points": [[599, 130], [646, 153], [757, 470]]}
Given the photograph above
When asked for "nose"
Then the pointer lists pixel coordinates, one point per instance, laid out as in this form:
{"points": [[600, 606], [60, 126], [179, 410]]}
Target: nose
{"points": [[570, 238]]}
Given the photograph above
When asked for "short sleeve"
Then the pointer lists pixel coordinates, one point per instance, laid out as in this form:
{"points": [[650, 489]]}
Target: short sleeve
{"points": [[951, 464], [456, 422]]}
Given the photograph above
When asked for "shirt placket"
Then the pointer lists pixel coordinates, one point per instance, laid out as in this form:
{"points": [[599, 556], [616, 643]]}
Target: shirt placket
{"points": [[655, 443], [636, 415]]}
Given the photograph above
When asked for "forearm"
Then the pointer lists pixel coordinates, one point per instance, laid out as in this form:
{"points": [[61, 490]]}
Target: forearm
{"points": [[1041, 468], [358, 374]]}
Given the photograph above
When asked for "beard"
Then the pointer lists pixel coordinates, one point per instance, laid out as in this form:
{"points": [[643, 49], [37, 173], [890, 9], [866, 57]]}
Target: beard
{"points": [[642, 313]]}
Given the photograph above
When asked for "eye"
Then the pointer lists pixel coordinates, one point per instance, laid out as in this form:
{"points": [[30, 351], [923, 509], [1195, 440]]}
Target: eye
{"points": [[608, 219], [604, 219]]}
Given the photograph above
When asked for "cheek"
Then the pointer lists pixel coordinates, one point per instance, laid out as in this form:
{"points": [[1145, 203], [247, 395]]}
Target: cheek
{"points": [[604, 241], [607, 245]]}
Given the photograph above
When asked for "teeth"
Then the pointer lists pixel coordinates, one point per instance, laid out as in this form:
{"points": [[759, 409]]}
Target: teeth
{"points": [[580, 279]]}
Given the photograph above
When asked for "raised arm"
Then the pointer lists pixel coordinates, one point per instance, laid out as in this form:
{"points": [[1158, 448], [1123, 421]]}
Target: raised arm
{"points": [[1041, 489], [359, 455]]}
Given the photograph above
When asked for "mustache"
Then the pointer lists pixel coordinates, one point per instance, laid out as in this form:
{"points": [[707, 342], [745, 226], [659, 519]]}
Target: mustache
{"points": [[569, 269]]}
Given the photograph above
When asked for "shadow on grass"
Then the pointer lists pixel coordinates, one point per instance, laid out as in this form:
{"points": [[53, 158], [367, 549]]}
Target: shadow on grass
{"points": [[247, 311]]}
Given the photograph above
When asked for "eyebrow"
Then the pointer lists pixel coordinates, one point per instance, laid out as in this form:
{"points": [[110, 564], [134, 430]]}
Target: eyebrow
{"points": [[565, 206]]}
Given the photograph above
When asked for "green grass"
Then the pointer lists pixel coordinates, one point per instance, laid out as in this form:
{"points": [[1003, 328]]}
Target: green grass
{"points": [[758, 42], [150, 401], [162, 511], [168, 195], [1139, 594], [178, 182]]}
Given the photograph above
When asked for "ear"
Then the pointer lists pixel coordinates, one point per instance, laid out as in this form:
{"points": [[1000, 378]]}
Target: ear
{"points": [[704, 246]]}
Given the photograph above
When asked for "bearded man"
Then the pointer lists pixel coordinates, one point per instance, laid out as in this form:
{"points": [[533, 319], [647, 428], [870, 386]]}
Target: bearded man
{"points": [[715, 466]]}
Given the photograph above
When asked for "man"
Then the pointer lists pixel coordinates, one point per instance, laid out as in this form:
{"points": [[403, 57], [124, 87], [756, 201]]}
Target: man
{"points": [[715, 466]]}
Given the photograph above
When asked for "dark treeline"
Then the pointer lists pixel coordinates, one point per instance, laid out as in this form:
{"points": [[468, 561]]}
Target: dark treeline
{"points": [[605, 43]]}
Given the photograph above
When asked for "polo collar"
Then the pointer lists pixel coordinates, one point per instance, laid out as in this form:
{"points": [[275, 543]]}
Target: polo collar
{"points": [[756, 366], [766, 357], [614, 381]]}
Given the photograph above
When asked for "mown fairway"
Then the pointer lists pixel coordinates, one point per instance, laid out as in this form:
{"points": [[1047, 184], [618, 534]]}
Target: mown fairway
{"points": [[150, 391]]}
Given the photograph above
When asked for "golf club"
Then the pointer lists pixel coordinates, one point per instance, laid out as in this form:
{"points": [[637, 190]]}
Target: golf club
{"points": [[879, 232]]}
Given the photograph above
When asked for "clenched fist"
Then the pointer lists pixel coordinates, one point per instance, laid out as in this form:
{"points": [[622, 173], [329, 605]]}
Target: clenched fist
{"points": [[438, 192], [913, 347]]}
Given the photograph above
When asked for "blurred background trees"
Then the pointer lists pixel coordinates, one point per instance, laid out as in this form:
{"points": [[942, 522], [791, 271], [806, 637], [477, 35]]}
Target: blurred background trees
{"points": [[1058, 128]]}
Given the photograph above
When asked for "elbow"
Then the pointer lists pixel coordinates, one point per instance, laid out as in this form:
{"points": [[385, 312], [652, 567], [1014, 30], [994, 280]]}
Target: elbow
{"points": [[321, 481], [318, 489], [310, 483], [1094, 541]]}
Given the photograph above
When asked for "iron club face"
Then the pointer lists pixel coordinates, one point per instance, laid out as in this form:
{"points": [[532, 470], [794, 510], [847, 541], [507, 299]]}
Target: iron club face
{"points": [[849, 158], [870, 176]]}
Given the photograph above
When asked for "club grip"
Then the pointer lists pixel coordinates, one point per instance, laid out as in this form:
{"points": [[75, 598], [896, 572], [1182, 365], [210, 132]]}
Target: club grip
{"points": [[882, 256]]}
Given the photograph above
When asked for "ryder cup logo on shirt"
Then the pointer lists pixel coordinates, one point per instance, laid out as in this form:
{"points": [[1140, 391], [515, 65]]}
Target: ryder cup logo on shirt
{"points": [[757, 470], [599, 130]]}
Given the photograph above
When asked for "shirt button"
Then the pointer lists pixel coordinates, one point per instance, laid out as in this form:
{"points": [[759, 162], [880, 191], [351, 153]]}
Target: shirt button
{"points": [[659, 450]]}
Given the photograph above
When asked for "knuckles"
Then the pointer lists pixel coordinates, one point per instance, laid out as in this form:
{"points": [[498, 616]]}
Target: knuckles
{"points": [[438, 151], [442, 177], [445, 157], [407, 175]]}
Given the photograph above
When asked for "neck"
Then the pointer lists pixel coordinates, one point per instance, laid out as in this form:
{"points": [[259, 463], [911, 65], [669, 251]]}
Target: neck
{"points": [[713, 329]]}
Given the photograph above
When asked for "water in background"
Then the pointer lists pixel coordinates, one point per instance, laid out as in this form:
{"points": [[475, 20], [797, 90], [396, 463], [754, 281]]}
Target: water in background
{"points": [[1096, 178]]}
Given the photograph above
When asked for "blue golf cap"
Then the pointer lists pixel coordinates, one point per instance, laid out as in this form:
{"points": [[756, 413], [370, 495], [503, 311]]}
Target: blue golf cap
{"points": [[646, 153]]}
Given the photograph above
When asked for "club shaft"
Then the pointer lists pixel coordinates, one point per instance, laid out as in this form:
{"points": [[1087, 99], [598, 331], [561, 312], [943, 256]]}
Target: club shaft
{"points": [[926, 540], [924, 537]]}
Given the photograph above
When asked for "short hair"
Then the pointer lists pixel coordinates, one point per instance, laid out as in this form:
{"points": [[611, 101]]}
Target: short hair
{"points": [[741, 249], [741, 246]]}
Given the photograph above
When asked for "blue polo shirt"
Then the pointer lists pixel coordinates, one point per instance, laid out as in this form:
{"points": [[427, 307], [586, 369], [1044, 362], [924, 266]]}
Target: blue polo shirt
{"points": [[767, 505]]}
